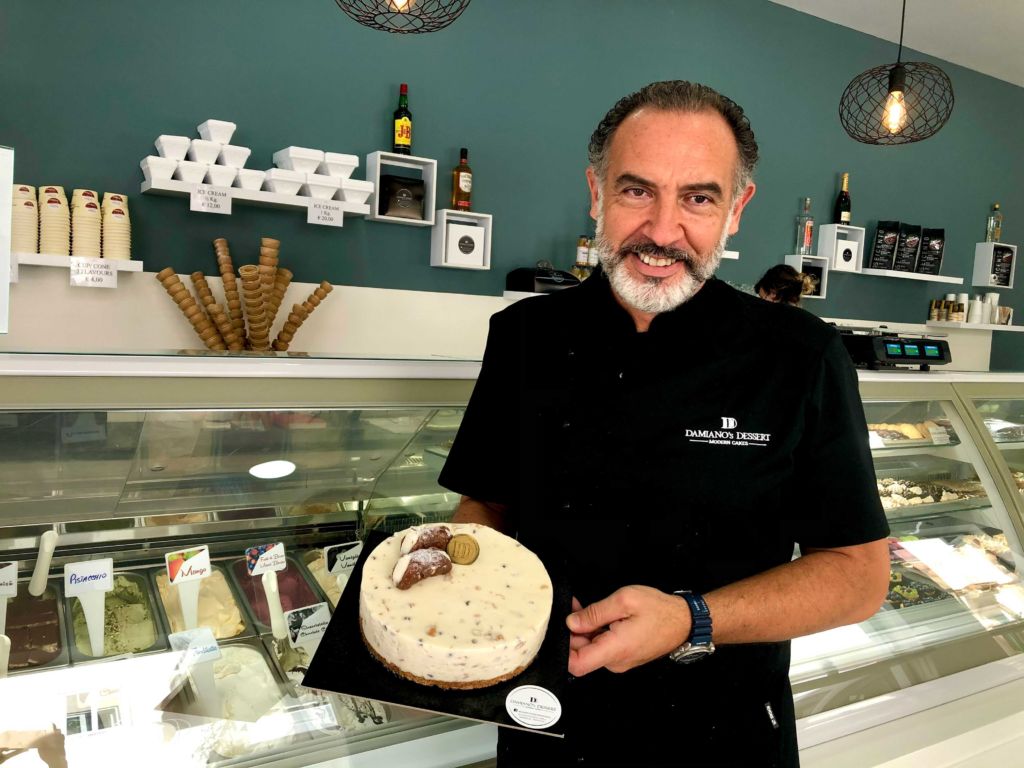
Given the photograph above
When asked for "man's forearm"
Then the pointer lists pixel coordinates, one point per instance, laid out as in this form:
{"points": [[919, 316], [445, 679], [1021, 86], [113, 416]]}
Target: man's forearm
{"points": [[484, 512], [818, 591]]}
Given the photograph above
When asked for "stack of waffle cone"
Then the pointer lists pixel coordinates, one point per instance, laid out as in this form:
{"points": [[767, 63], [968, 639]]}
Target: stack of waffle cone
{"points": [[281, 283], [205, 295], [299, 314], [189, 307], [269, 252], [255, 308], [232, 300]]}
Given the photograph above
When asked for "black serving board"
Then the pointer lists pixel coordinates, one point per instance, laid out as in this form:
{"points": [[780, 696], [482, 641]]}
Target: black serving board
{"points": [[343, 664]]}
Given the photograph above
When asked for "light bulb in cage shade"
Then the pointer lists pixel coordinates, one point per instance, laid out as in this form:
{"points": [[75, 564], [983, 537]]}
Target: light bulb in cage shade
{"points": [[400, 6], [894, 116], [404, 16], [272, 470]]}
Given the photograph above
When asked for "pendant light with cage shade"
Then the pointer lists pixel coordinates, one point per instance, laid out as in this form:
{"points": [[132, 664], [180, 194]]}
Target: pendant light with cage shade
{"points": [[897, 103], [404, 17]]}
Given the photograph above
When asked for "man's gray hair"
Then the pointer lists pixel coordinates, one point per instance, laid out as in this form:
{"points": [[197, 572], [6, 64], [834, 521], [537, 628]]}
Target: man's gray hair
{"points": [[681, 96]]}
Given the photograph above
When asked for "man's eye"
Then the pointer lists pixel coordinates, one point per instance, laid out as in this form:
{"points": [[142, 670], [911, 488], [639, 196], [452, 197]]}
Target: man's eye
{"points": [[700, 199], [636, 192]]}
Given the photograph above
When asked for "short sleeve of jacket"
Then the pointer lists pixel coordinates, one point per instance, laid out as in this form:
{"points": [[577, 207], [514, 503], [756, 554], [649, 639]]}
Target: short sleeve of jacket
{"points": [[483, 460], [834, 498]]}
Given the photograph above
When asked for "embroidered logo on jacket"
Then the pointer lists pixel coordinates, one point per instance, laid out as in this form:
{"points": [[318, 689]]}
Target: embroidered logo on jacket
{"points": [[728, 435]]}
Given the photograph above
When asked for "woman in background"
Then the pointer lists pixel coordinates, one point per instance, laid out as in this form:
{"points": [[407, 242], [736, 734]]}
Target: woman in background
{"points": [[784, 285]]}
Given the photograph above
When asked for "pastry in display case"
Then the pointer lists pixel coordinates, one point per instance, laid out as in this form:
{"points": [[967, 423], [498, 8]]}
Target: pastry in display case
{"points": [[954, 599]]}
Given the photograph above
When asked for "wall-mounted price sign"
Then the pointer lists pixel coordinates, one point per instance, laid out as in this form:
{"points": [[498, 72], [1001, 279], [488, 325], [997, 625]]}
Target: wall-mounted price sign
{"points": [[92, 273], [327, 213], [207, 198]]}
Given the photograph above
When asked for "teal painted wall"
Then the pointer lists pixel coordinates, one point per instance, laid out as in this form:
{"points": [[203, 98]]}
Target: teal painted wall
{"points": [[88, 86]]}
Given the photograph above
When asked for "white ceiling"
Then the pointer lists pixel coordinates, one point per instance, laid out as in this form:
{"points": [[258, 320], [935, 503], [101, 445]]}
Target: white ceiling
{"points": [[983, 35]]}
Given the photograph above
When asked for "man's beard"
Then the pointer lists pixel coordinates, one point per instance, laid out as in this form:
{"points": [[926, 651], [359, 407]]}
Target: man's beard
{"points": [[657, 294]]}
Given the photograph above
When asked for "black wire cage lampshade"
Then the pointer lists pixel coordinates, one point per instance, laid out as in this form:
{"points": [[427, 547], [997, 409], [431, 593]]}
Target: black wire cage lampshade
{"points": [[404, 17], [897, 103]]}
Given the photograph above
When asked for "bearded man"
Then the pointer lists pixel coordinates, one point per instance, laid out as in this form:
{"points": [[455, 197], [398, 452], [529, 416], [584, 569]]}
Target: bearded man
{"points": [[673, 441]]}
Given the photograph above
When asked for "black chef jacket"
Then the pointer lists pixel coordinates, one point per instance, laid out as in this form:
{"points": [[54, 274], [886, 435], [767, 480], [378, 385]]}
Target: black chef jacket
{"points": [[687, 457]]}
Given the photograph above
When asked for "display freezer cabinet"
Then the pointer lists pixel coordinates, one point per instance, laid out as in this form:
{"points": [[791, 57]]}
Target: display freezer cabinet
{"points": [[133, 458], [955, 607]]}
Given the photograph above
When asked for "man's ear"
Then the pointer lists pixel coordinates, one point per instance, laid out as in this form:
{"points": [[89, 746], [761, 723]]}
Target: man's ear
{"points": [[595, 192], [739, 205]]}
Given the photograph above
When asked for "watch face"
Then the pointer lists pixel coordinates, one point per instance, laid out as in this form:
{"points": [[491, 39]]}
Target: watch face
{"points": [[687, 653]]}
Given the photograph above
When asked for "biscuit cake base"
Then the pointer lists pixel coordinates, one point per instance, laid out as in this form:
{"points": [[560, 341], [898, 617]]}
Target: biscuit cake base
{"points": [[465, 686], [476, 626]]}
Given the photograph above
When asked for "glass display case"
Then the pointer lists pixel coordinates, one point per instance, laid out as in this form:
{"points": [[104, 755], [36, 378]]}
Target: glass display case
{"points": [[135, 467], [956, 599], [132, 459]]}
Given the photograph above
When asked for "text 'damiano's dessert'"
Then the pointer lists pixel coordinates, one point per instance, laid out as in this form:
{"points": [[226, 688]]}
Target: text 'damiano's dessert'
{"points": [[455, 606]]}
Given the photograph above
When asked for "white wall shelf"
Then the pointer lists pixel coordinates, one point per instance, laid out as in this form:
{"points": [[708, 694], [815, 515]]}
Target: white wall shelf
{"points": [[376, 162], [911, 276], [817, 266], [175, 188], [832, 238], [974, 326], [985, 269], [54, 260], [442, 254]]}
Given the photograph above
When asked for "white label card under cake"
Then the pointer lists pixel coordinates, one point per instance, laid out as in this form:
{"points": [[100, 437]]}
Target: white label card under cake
{"points": [[341, 558], [875, 440], [8, 579], [533, 707], [261, 558], [188, 564], [325, 212], [89, 576], [939, 435], [92, 273], [198, 644], [306, 626], [207, 198]]}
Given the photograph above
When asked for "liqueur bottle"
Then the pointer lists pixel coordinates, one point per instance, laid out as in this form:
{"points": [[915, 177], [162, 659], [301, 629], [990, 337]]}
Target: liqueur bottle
{"points": [[994, 225], [593, 257], [805, 230], [402, 144], [580, 268], [462, 183], [841, 210]]}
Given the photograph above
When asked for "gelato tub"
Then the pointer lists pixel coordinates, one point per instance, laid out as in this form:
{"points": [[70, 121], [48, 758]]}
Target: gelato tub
{"points": [[314, 562], [129, 621], [35, 626], [218, 605], [292, 584]]}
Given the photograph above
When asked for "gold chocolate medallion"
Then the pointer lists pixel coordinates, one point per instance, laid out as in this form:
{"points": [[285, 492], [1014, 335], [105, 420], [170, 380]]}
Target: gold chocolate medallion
{"points": [[463, 549]]}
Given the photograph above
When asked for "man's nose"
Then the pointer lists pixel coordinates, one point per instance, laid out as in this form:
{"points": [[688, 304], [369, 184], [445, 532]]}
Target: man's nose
{"points": [[665, 226]]}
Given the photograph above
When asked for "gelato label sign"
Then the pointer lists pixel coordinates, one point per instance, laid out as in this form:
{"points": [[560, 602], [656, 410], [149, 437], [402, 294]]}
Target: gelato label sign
{"points": [[306, 626], [198, 645], [261, 558], [341, 558], [8, 579], [188, 564], [89, 576]]}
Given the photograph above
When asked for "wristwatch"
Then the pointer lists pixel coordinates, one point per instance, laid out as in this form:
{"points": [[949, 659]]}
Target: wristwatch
{"points": [[698, 644]]}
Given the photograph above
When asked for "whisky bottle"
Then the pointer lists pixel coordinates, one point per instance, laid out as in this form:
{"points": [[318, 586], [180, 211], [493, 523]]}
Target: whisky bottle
{"points": [[462, 183], [593, 257], [402, 144], [580, 269], [841, 210], [805, 230], [994, 225]]}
